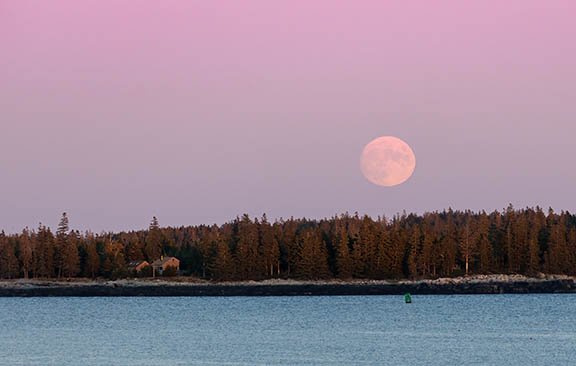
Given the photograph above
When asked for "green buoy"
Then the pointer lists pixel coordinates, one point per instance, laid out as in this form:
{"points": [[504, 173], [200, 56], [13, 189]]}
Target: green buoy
{"points": [[408, 298]]}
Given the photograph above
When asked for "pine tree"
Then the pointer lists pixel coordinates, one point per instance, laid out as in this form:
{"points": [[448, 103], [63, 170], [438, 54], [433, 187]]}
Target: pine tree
{"points": [[449, 246], [9, 267], [269, 247], [25, 252], [114, 262], [382, 259], [533, 264], [521, 243], [496, 237], [357, 258], [414, 249], [133, 247], [398, 248], [108, 265], [312, 261], [289, 246], [206, 247], [45, 253], [153, 247], [70, 258], [61, 239], [558, 250], [427, 252], [467, 249], [571, 246], [512, 242], [222, 267], [343, 260], [247, 257], [92, 260]]}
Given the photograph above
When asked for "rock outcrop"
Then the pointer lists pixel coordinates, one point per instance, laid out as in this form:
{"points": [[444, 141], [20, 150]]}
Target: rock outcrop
{"points": [[484, 285]]}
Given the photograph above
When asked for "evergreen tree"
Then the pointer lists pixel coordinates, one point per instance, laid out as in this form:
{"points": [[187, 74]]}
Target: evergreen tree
{"points": [[467, 246], [114, 264], [289, 246], [571, 247], [61, 240], [9, 267], [521, 243], [70, 258], [133, 247], [45, 253], [153, 247], [312, 261], [427, 252], [558, 250], [381, 256], [92, 265], [206, 247], [397, 249], [414, 249], [222, 268], [269, 247], [533, 263], [485, 250], [448, 244], [25, 252], [511, 243], [343, 260], [248, 259]]}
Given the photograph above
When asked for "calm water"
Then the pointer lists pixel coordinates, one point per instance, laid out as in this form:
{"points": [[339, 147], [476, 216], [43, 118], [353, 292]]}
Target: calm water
{"points": [[363, 330]]}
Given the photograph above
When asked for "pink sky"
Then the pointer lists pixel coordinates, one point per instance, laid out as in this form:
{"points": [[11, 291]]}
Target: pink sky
{"points": [[197, 111]]}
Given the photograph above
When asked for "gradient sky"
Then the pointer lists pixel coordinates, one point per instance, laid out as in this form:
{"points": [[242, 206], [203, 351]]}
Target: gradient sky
{"points": [[198, 111]]}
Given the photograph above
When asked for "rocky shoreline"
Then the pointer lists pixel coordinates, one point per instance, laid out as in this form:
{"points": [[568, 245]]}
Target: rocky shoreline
{"points": [[496, 284]]}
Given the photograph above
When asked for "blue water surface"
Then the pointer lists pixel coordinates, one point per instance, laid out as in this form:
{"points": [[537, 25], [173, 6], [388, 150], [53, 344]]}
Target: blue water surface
{"points": [[356, 330]]}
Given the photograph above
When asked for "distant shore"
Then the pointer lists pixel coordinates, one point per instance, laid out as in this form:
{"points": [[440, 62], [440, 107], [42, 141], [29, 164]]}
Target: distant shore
{"points": [[493, 284]]}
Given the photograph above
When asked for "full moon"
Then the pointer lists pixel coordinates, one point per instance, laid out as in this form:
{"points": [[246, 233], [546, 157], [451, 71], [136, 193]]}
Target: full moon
{"points": [[387, 161]]}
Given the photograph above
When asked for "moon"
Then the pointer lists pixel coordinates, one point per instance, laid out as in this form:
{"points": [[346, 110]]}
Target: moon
{"points": [[387, 161]]}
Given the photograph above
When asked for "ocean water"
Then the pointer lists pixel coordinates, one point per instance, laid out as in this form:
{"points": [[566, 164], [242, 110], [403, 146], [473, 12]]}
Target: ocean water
{"points": [[357, 330]]}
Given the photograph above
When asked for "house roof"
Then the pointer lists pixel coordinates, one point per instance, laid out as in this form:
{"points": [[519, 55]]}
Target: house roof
{"points": [[159, 262], [136, 263]]}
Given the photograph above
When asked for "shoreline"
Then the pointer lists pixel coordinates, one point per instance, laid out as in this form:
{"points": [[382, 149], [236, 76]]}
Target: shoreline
{"points": [[493, 284]]}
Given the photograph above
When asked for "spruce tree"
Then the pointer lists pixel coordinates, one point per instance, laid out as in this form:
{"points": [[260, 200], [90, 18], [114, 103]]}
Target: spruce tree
{"points": [[467, 246], [222, 267], [153, 247], [312, 262], [45, 252], [533, 257], [398, 248], [343, 260], [485, 251], [92, 265], [133, 248], [414, 250], [558, 250], [247, 256], [70, 258], [61, 240], [426, 253], [25, 254], [289, 246], [269, 248], [571, 247], [9, 267], [382, 260]]}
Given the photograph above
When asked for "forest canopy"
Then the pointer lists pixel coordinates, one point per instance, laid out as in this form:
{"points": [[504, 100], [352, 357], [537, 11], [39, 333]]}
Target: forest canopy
{"points": [[435, 244]]}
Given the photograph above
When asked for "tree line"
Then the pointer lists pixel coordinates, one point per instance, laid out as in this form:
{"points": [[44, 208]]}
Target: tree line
{"points": [[436, 244]]}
